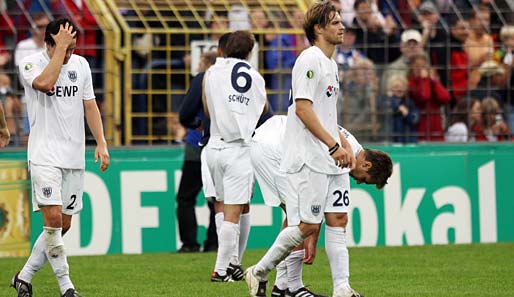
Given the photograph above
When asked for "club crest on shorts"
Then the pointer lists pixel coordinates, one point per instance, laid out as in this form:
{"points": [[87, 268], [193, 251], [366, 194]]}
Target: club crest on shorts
{"points": [[72, 75], [316, 209], [47, 192]]}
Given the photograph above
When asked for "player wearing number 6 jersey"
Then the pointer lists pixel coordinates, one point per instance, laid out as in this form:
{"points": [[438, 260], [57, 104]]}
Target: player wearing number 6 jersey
{"points": [[372, 167], [315, 153], [59, 92], [234, 98]]}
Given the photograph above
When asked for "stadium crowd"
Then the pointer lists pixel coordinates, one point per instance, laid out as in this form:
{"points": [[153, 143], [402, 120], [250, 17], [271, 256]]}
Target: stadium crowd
{"points": [[404, 65]]}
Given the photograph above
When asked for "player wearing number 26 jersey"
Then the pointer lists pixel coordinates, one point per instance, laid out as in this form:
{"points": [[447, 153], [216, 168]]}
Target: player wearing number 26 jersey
{"points": [[235, 97]]}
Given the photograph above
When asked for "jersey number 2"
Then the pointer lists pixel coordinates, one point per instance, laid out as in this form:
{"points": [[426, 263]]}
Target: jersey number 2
{"points": [[72, 204]]}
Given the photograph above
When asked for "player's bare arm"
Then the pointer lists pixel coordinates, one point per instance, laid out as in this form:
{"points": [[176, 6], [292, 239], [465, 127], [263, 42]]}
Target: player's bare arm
{"points": [[309, 118], [347, 146], [46, 80], [94, 121], [204, 99], [310, 245], [4, 132]]}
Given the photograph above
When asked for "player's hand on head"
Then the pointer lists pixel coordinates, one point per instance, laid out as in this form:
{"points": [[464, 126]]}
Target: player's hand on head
{"points": [[65, 35], [4, 137], [102, 153]]}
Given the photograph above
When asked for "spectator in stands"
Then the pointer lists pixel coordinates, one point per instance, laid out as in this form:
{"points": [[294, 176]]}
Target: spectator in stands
{"points": [[458, 80], [36, 42], [458, 130], [492, 82], [347, 54], [399, 116], [4, 131], [435, 38], [475, 121], [376, 40], [429, 95], [410, 45], [347, 11], [495, 128], [505, 57], [12, 108], [191, 180], [280, 60], [5, 31], [357, 112], [479, 45], [261, 23]]}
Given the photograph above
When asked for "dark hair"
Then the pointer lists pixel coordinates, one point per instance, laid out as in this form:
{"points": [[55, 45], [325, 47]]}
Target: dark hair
{"points": [[381, 168], [240, 44], [320, 13], [357, 3], [222, 42], [54, 27], [461, 110]]}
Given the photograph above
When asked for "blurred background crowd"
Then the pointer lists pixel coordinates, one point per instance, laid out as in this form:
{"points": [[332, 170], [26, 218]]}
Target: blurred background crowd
{"points": [[410, 70]]}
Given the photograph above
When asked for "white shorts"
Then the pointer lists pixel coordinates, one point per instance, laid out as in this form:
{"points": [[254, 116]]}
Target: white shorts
{"points": [[267, 172], [57, 186], [315, 195], [208, 185], [232, 173]]}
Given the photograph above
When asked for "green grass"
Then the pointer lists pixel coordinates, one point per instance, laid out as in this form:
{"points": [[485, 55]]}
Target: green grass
{"points": [[454, 270]]}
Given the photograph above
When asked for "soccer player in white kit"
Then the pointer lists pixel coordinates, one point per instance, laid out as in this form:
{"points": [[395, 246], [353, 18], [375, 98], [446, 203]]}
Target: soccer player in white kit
{"points": [[314, 154], [59, 92], [4, 131], [234, 97], [371, 167]]}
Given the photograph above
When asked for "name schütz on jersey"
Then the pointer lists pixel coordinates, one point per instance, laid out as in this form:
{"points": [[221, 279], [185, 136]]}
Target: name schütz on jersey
{"points": [[63, 91], [238, 98]]}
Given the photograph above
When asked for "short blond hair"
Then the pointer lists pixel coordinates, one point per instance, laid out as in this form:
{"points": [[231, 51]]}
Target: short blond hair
{"points": [[506, 32], [396, 78]]}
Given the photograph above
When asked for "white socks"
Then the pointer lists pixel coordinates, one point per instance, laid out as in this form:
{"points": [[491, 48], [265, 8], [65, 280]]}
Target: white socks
{"points": [[244, 229], [335, 245], [227, 244], [36, 260], [287, 240], [57, 257], [281, 278], [218, 219], [289, 272], [294, 264]]}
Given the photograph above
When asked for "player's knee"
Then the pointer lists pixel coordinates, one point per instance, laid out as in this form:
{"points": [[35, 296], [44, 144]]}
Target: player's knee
{"points": [[246, 208], [337, 219], [308, 229]]}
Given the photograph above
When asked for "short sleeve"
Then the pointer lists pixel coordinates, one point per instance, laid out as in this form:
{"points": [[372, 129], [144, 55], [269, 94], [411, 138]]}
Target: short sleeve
{"points": [[29, 71], [89, 92], [306, 77]]}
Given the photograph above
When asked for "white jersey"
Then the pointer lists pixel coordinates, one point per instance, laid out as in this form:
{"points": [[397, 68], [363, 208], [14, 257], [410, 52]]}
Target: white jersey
{"points": [[271, 134], [315, 78], [236, 96], [57, 135]]}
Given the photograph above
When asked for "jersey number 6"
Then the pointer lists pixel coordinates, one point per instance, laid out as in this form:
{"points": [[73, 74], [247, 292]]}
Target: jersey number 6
{"points": [[236, 75]]}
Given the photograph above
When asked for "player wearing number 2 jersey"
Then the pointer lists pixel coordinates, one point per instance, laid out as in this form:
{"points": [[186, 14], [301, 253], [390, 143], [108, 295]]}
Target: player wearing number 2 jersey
{"points": [[59, 93], [234, 98]]}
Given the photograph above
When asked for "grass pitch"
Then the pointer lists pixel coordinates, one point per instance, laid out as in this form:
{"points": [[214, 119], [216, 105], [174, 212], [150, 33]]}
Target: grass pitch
{"points": [[451, 270]]}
